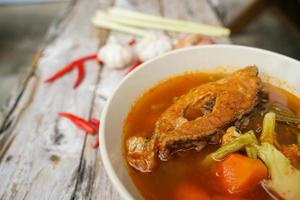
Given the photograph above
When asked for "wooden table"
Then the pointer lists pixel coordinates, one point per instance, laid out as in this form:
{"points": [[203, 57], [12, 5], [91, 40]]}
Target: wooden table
{"points": [[46, 157]]}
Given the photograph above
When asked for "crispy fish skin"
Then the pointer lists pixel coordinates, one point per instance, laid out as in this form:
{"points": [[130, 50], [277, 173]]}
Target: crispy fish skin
{"points": [[196, 116], [235, 95]]}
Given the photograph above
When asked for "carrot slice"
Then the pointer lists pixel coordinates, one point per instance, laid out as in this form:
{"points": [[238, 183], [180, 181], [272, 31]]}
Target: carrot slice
{"points": [[189, 191], [238, 173]]}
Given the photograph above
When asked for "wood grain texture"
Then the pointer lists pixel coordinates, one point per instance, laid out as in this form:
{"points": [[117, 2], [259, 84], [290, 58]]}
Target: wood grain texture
{"points": [[109, 80], [46, 157], [193, 10], [43, 160]]}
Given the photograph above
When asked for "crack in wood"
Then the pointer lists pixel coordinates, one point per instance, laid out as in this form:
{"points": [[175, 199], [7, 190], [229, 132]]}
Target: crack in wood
{"points": [[78, 174], [8, 135], [10, 122], [6, 146], [20, 92], [57, 136], [102, 97], [18, 96], [85, 172], [90, 176], [82, 165], [6, 125], [14, 120], [53, 32], [57, 26], [93, 176], [83, 169]]}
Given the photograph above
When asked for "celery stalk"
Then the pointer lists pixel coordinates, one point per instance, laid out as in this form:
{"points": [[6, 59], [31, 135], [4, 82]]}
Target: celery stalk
{"points": [[267, 134], [234, 145], [285, 179], [251, 151]]}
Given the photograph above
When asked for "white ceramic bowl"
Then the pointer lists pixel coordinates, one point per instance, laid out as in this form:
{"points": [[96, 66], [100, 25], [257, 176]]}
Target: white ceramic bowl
{"points": [[280, 70]]}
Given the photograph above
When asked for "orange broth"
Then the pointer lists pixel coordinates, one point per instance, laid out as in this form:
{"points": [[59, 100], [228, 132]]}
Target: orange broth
{"points": [[185, 168]]}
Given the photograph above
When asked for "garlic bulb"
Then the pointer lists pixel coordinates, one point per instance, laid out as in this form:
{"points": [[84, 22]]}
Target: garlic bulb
{"points": [[152, 46], [115, 55]]}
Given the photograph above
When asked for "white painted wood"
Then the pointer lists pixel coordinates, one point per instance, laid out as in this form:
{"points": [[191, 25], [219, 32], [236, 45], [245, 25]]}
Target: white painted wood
{"points": [[46, 157], [193, 10], [109, 80]]}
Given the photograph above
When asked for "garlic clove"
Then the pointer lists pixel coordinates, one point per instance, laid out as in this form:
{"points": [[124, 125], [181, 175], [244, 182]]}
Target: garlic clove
{"points": [[153, 46], [114, 55]]}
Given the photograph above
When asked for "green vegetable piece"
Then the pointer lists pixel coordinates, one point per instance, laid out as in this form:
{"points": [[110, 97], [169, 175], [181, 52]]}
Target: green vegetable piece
{"points": [[267, 134], [285, 179], [284, 115], [230, 134], [286, 118], [234, 145], [251, 151]]}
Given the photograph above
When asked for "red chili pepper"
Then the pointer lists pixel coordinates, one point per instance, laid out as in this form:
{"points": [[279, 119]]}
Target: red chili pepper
{"points": [[80, 123], [96, 143], [96, 123], [61, 72], [131, 42], [80, 75], [69, 67], [87, 57], [134, 65]]}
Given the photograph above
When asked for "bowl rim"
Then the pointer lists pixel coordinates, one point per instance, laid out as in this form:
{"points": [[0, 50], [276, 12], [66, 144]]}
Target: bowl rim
{"points": [[117, 184]]}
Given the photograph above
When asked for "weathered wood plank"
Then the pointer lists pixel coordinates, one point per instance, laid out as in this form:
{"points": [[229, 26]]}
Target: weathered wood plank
{"points": [[193, 10], [94, 182], [44, 159], [48, 158], [108, 82], [110, 77], [54, 30]]}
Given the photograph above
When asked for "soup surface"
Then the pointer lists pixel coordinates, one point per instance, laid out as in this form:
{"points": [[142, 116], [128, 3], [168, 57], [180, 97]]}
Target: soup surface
{"points": [[184, 171]]}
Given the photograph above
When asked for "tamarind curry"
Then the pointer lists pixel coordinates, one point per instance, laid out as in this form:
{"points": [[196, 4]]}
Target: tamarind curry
{"points": [[214, 137]]}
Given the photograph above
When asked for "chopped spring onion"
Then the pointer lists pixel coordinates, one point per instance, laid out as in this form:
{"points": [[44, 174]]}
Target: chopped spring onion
{"points": [[267, 134], [108, 24]]}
